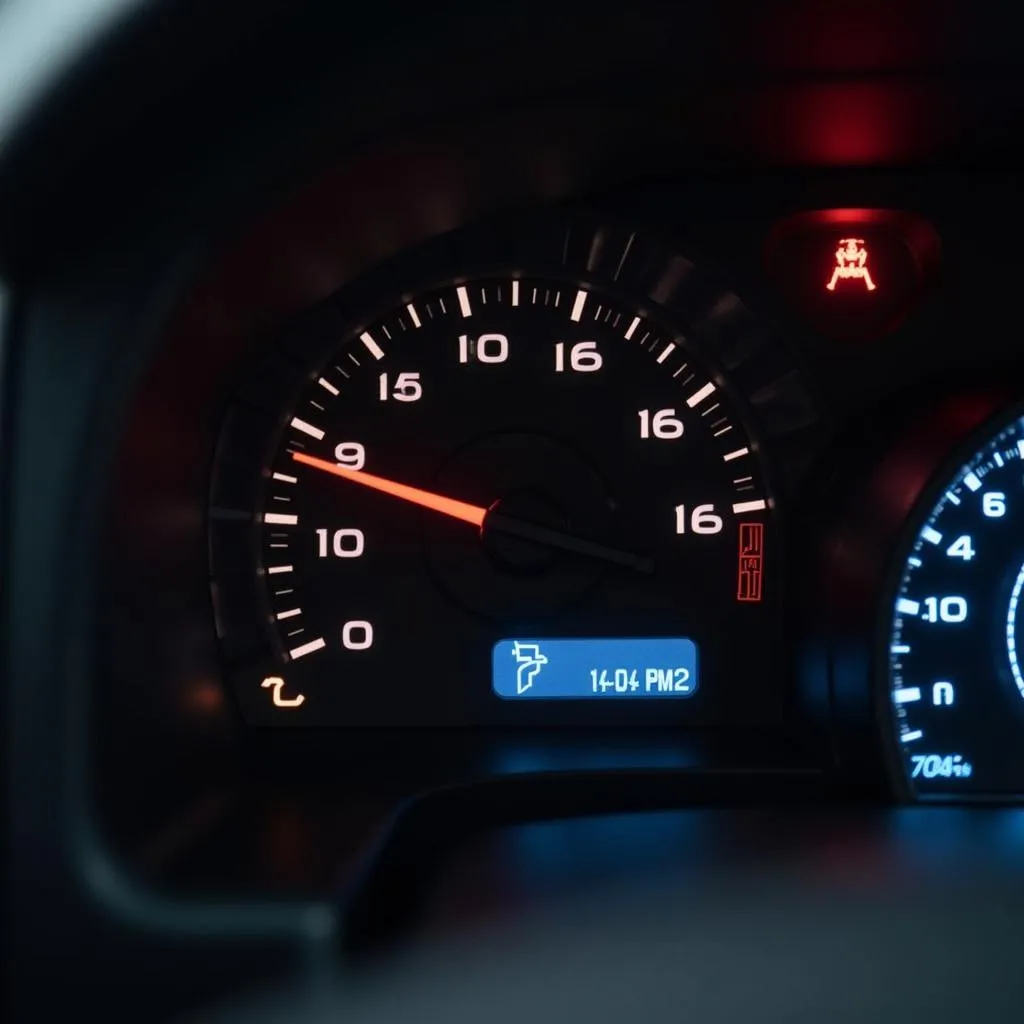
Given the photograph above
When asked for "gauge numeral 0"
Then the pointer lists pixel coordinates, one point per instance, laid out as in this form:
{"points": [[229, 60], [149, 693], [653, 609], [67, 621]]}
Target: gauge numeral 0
{"points": [[348, 543], [662, 424], [702, 519], [357, 635], [583, 357], [488, 348], [406, 387], [350, 454]]}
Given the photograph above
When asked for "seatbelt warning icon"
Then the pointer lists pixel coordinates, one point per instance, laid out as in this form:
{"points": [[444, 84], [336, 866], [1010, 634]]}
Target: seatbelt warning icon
{"points": [[851, 264]]}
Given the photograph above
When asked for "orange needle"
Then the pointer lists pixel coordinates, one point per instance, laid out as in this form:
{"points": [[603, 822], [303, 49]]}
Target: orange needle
{"points": [[438, 502]]}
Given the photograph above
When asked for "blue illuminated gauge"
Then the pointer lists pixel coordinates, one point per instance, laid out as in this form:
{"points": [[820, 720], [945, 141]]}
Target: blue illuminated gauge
{"points": [[956, 627]]}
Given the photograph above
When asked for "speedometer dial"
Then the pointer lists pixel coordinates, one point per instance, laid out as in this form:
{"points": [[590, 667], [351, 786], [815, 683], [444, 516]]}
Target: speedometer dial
{"points": [[511, 486], [957, 627]]}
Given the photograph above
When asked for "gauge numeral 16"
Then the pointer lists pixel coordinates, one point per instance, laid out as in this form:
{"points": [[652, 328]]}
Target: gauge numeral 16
{"points": [[662, 424], [701, 519], [340, 543], [583, 357]]}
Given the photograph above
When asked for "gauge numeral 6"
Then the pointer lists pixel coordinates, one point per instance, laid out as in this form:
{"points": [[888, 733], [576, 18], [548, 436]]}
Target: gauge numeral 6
{"points": [[348, 543], [488, 348], [662, 424], [350, 454], [702, 519], [406, 387], [583, 357], [993, 504], [357, 635]]}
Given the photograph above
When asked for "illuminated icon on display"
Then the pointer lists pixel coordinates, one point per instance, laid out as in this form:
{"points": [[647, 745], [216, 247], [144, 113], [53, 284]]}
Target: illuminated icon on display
{"points": [[276, 684], [851, 263], [530, 661], [751, 562]]}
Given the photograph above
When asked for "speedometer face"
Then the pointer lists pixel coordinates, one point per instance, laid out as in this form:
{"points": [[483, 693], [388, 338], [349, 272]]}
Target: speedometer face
{"points": [[957, 628], [513, 486]]}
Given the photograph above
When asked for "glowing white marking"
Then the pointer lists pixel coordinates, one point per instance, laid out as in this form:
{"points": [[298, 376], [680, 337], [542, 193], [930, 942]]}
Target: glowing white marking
{"points": [[515, 293], [930, 535], [413, 315], [738, 454], [464, 300], [972, 482], [951, 497], [900, 649], [749, 506], [915, 562], [1011, 631], [285, 478], [314, 645], [577, 306], [375, 350], [998, 459], [907, 695], [698, 396], [1020, 447], [328, 386], [669, 349], [904, 606], [631, 329], [275, 569], [308, 428], [280, 519], [290, 614], [909, 737]]}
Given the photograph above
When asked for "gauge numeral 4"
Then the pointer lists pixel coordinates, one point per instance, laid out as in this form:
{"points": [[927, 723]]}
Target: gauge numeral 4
{"points": [[348, 543], [661, 424], [701, 519], [583, 357], [962, 547]]}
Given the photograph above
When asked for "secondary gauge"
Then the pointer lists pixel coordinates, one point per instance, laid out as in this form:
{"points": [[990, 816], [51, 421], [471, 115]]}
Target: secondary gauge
{"points": [[520, 483], [955, 625]]}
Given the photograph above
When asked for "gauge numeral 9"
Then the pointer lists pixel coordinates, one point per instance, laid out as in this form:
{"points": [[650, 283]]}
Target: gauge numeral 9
{"points": [[357, 635], [583, 357], [341, 543], [488, 348], [702, 519], [662, 424], [406, 387], [350, 454]]}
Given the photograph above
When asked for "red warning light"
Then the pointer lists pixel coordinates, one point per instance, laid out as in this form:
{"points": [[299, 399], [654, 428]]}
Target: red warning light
{"points": [[751, 562], [851, 264]]}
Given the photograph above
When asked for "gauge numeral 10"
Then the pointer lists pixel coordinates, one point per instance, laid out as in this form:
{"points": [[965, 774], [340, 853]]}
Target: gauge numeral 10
{"points": [[348, 543], [662, 424], [488, 348], [406, 387], [357, 635], [945, 609], [583, 357], [702, 519]]}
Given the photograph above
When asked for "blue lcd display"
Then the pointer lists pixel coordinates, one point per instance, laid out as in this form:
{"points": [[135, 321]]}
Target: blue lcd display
{"points": [[593, 668]]}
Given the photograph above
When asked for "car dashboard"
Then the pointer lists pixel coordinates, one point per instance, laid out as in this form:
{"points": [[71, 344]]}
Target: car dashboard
{"points": [[435, 490]]}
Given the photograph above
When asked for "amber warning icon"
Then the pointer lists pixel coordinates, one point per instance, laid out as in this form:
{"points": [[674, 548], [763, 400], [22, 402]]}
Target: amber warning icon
{"points": [[751, 562]]}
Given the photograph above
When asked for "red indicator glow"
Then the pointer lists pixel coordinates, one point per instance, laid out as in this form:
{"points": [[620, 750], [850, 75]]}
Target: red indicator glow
{"points": [[751, 562], [851, 264]]}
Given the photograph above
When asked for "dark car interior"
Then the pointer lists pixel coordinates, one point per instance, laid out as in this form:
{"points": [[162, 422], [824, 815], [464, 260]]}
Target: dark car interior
{"points": [[512, 512]]}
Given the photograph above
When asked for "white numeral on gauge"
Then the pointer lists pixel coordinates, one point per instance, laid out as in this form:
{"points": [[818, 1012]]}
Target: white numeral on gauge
{"points": [[703, 519], [945, 609], [488, 348], [357, 635], [993, 504], [348, 543], [662, 424], [405, 388], [583, 357], [351, 454]]}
